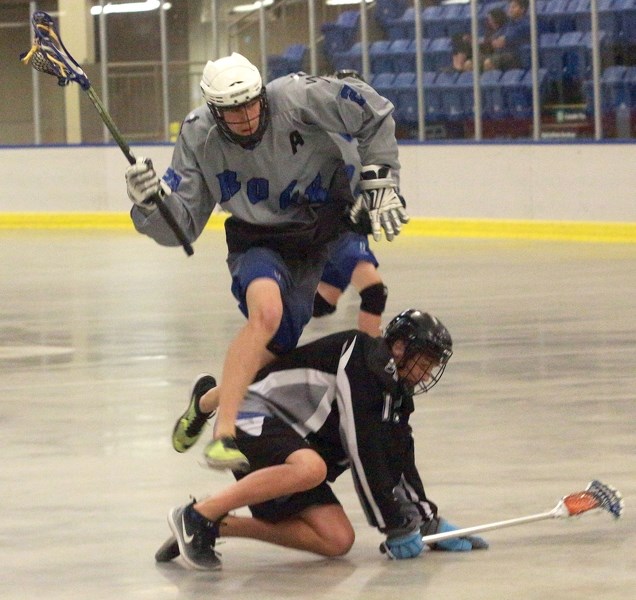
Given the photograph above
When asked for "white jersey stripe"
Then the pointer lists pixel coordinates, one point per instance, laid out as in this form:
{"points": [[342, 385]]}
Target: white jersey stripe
{"points": [[348, 433]]}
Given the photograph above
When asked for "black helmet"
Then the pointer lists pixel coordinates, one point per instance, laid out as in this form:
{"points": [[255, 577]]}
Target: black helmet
{"points": [[422, 334]]}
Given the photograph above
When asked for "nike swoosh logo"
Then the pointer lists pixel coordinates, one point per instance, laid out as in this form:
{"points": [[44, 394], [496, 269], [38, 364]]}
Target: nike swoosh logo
{"points": [[188, 538]]}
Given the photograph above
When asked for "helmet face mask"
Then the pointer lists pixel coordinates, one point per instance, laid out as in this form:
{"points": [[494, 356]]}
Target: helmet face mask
{"points": [[420, 371], [421, 346], [233, 86]]}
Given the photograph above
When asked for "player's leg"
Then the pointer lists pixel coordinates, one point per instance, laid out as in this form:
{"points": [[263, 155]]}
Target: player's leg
{"points": [[333, 281], [257, 277], [326, 299], [373, 293], [321, 529], [352, 262], [283, 465], [302, 470], [246, 354]]}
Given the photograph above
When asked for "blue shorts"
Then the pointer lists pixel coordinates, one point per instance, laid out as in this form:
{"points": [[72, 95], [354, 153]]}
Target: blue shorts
{"points": [[349, 250], [297, 280]]}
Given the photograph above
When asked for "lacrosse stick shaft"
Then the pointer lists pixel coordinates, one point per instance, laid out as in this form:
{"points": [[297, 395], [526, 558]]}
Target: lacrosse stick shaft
{"points": [[125, 148], [108, 121], [447, 535]]}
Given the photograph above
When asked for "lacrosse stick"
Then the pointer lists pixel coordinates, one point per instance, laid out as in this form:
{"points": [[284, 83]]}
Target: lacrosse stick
{"points": [[597, 496], [49, 55]]}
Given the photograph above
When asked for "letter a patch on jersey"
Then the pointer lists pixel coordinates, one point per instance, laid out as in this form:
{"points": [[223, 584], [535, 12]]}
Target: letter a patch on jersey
{"points": [[295, 139]]}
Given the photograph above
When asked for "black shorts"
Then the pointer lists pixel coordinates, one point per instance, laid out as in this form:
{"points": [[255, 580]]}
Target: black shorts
{"points": [[269, 442]]}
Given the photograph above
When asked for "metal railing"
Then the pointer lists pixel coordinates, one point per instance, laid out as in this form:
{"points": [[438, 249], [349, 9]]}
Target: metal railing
{"points": [[147, 98]]}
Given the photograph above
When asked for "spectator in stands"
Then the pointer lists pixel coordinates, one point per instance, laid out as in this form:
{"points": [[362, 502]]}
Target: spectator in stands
{"points": [[496, 20], [514, 34], [462, 54]]}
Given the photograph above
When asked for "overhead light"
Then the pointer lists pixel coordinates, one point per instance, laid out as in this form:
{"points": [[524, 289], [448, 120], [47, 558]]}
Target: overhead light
{"points": [[241, 8], [342, 2], [129, 7]]}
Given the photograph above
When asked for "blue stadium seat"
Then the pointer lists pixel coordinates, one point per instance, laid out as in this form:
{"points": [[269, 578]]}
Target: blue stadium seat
{"points": [[387, 11], [379, 56], [438, 55], [464, 95], [626, 10], [290, 61], [339, 35], [457, 19], [577, 53], [383, 84], [630, 80], [573, 55], [550, 55], [403, 85], [407, 112], [433, 25], [432, 98], [608, 17], [382, 79], [348, 59], [402, 55], [492, 95], [403, 27], [615, 89], [517, 96], [445, 85], [555, 17]]}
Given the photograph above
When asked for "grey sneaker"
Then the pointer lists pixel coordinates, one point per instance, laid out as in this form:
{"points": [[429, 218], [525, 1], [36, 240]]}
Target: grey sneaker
{"points": [[188, 428], [195, 537]]}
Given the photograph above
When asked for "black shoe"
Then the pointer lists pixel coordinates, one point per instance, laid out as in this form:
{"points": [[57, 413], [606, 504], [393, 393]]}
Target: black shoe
{"points": [[169, 550], [195, 536]]}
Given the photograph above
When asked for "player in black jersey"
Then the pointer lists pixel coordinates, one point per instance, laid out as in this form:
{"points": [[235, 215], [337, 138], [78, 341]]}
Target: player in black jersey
{"points": [[341, 402]]}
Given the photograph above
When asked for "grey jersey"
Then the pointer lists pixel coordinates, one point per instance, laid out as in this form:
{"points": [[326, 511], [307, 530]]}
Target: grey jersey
{"points": [[275, 183]]}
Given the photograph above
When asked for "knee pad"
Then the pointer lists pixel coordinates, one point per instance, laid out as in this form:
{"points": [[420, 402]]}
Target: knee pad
{"points": [[322, 307], [373, 298]]}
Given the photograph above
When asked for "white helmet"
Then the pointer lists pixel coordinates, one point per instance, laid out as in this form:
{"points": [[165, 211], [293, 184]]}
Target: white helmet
{"points": [[232, 82]]}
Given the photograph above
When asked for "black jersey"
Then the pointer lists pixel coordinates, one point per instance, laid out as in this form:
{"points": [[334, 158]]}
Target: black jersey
{"points": [[341, 393]]}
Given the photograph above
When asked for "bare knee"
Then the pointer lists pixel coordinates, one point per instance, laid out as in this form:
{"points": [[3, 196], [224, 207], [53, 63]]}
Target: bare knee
{"points": [[310, 469], [266, 318], [339, 542]]}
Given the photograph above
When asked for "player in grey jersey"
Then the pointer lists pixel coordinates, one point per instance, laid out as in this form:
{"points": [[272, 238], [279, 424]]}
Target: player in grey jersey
{"points": [[267, 156], [352, 262], [340, 402]]}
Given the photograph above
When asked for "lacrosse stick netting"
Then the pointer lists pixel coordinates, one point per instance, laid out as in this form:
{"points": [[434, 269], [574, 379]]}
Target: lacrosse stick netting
{"points": [[49, 55], [597, 495]]}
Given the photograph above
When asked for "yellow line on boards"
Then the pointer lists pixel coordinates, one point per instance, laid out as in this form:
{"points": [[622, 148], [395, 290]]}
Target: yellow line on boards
{"points": [[572, 231], [454, 228]]}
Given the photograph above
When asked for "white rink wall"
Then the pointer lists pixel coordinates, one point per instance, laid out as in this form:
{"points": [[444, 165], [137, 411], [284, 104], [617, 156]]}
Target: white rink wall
{"points": [[550, 182]]}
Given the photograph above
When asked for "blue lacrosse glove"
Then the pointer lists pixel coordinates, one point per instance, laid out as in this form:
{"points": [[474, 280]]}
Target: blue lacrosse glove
{"points": [[403, 546], [461, 544]]}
